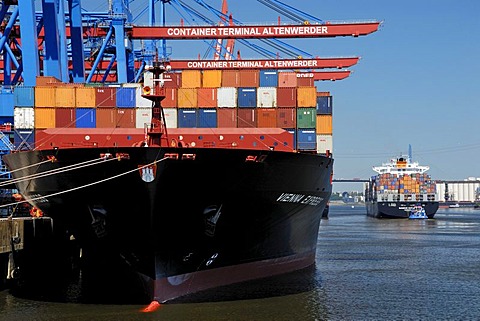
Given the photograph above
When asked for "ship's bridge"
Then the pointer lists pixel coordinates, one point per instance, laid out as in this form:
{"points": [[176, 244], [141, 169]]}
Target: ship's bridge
{"points": [[400, 166]]}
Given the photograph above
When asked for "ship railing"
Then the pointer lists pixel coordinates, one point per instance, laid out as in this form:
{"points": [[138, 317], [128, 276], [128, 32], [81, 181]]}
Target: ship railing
{"points": [[407, 197]]}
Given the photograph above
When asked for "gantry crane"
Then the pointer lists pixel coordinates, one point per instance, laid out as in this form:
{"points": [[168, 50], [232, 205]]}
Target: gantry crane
{"points": [[52, 41]]}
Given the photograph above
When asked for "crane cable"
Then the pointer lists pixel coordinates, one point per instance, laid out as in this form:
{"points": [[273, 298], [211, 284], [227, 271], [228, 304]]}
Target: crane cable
{"points": [[275, 43], [85, 185], [57, 170]]}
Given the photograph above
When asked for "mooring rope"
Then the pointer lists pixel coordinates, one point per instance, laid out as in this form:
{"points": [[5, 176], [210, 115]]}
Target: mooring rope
{"points": [[58, 170], [84, 186]]}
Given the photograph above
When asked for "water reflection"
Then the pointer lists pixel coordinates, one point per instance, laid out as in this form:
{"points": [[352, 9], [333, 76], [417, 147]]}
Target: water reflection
{"points": [[366, 269]]}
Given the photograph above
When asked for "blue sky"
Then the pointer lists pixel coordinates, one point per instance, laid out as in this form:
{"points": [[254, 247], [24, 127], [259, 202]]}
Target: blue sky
{"points": [[417, 82]]}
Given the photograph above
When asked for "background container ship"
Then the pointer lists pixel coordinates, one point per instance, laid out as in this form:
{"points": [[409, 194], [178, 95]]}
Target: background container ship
{"points": [[399, 186], [184, 180]]}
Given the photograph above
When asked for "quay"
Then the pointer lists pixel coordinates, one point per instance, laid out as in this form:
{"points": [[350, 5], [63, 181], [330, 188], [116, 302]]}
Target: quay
{"points": [[22, 240]]}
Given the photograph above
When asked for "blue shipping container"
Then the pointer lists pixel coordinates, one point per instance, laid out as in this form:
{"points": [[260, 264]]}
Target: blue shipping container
{"points": [[7, 102], [247, 97], [324, 105], [24, 96], [207, 118], [187, 118], [6, 119], [85, 117], [306, 139], [268, 78], [24, 139], [126, 97]]}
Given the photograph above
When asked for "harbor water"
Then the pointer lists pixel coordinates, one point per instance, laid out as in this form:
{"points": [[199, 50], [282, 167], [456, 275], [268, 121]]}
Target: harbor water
{"points": [[366, 269]]}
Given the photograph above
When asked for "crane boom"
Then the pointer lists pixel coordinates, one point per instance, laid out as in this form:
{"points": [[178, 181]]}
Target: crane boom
{"points": [[316, 63], [310, 63], [254, 31]]}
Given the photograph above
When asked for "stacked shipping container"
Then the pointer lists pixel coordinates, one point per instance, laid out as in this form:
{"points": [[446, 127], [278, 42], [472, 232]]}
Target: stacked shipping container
{"points": [[210, 98], [405, 184]]}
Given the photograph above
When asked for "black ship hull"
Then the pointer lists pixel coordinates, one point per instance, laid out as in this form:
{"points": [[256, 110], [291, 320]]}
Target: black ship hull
{"points": [[177, 221], [398, 209]]}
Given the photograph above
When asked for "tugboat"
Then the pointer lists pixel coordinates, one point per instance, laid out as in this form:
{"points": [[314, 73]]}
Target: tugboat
{"points": [[418, 212]]}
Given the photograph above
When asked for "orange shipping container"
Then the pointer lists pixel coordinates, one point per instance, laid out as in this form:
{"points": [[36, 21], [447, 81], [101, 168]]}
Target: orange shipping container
{"points": [[46, 80], [287, 79], [191, 79], [125, 118], [324, 124], [187, 98], [106, 117], [212, 78], [170, 100], [85, 97], [306, 97], [65, 96], [45, 118], [249, 78], [226, 117], [266, 117], [230, 78], [45, 96], [207, 97]]}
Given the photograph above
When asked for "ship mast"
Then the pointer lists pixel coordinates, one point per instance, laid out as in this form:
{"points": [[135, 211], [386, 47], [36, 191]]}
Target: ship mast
{"points": [[156, 131]]}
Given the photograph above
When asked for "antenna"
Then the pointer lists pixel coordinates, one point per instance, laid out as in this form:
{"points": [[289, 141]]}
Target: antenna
{"points": [[409, 152]]}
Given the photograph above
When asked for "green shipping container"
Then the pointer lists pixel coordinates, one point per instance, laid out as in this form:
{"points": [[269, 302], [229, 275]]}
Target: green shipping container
{"points": [[306, 117]]}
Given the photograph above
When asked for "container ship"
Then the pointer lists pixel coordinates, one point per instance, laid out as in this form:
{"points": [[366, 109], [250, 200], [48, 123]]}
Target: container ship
{"points": [[172, 176], [174, 210], [399, 186]]}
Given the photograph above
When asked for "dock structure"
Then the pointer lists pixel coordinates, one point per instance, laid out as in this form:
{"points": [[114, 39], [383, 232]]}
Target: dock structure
{"points": [[16, 235]]}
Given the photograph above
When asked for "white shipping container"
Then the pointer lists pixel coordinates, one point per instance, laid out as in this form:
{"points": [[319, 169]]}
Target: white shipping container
{"points": [[143, 116], [266, 97], [24, 117], [324, 143], [139, 100], [171, 115], [227, 97]]}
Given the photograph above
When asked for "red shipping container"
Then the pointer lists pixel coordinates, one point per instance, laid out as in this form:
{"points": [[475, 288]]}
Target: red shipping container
{"points": [[286, 117], [266, 117], [207, 97], [226, 117], [106, 117], [247, 118], [170, 100], [249, 78], [106, 97], [230, 78], [173, 80], [65, 117], [305, 79], [125, 118], [286, 97]]}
